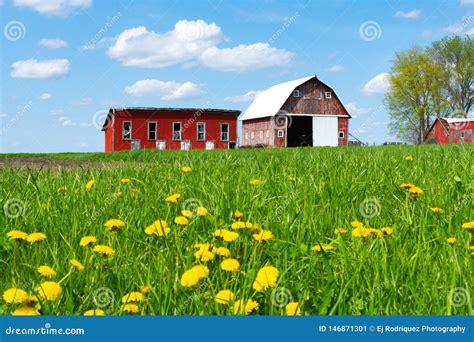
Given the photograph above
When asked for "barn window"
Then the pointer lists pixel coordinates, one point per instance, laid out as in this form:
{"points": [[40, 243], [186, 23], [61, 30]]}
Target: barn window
{"points": [[246, 135], [462, 135], [267, 134], [152, 130], [261, 134], [328, 94], [176, 130], [280, 133], [224, 132], [201, 131], [252, 135], [341, 134], [126, 130], [296, 93]]}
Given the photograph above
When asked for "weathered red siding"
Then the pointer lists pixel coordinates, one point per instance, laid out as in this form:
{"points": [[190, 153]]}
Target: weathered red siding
{"points": [[443, 133], [343, 125]]}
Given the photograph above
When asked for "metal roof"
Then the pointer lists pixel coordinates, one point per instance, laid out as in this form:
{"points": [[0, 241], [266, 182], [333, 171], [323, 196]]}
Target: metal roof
{"points": [[270, 101], [458, 120], [178, 109]]}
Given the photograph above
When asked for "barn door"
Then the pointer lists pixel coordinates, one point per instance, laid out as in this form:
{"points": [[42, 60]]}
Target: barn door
{"points": [[185, 145], [209, 145], [135, 144], [325, 131], [161, 145]]}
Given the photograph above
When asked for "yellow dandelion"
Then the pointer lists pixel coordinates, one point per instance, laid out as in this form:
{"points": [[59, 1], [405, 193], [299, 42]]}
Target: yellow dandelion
{"points": [[452, 240], [31, 299], [255, 182], [468, 225], [409, 158], [204, 255], [267, 276], [46, 271], [125, 180], [133, 296], [94, 312], [201, 211], [415, 191], [263, 235], [407, 186], [186, 169], [15, 296], [340, 230], [238, 214], [242, 307], [224, 297], [90, 184], [387, 230], [471, 248], [203, 246], [437, 210], [238, 225], [77, 264], [25, 311], [130, 307], [292, 178], [87, 240], [293, 309], [226, 235], [159, 227], [17, 235], [320, 248], [187, 213], [181, 220], [173, 198], [194, 275], [49, 290], [145, 290], [230, 264], [104, 250], [35, 237], [222, 251], [114, 224]]}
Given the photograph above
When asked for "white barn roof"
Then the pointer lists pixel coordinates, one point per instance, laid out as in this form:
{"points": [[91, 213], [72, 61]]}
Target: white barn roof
{"points": [[458, 120], [270, 101]]}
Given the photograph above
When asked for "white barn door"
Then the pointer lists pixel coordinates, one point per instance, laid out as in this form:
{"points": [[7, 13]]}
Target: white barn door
{"points": [[325, 131]]}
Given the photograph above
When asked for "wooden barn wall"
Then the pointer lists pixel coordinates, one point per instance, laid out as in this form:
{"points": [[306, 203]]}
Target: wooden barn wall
{"points": [[258, 126]]}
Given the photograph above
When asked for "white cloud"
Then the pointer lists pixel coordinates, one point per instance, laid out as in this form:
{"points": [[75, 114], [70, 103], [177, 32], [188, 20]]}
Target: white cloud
{"points": [[467, 2], [167, 91], [248, 96], [413, 14], [354, 109], [380, 84], [59, 8], [3, 115], [45, 96], [191, 43], [32, 68], [83, 101], [56, 112], [335, 68], [53, 43], [65, 121], [470, 32]]}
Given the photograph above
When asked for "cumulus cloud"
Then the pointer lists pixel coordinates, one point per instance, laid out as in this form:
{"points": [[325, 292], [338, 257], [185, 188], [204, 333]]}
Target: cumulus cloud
{"points": [[378, 85], [53, 43], [355, 110], [83, 101], [32, 68], [467, 2], [59, 8], [335, 68], [191, 43], [413, 14], [165, 90], [45, 96], [248, 96], [66, 121]]}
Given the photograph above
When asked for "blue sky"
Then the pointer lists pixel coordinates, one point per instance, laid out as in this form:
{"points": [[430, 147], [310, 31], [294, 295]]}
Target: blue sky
{"points": [[65, 62]]}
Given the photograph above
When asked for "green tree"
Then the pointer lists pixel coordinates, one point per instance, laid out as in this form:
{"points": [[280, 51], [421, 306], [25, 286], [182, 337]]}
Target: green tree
{"points": [[415, 98]]}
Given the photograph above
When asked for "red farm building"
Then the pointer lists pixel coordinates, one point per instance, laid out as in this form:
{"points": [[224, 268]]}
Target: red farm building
{"points": [[451, 131], [170, 129], [303, 112]]}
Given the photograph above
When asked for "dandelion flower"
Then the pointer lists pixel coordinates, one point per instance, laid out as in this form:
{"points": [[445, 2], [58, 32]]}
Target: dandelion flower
{"points": [[201, 211], [35, 237], [437, 210], [94, 312], [15, 295], [17, 235], [471, 248], [255, 182], [125, 180], [159, 227], [242, 307], [194, 275], [133, 296], [130, 307], [357, 224], [90, 184], [145, 290], [77, 264], [224, 297], [415, 191], [468, 225], [238, 225], [49, 290], [226, 235], [46, 271], [222, 251], [114, 224], [409, 158], [238, 214], [292, 178], [320, 248], [407, 186], [87, 240], [104, 250], [173, 198], [452, 240], [181, 220], [293, 309], [263, 235], [26, 311], [204, 255], [204, 246], [187, 213], [267, 276], [231, 265], [186, 169], [340, 230]]}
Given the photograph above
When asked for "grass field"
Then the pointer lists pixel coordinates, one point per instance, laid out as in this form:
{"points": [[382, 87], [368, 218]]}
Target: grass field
{"points": [[303, 196]]}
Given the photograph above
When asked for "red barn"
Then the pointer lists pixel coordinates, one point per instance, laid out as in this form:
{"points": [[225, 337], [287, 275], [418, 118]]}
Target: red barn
{"points": [[170, 129], [451, 131], [303, 112]]}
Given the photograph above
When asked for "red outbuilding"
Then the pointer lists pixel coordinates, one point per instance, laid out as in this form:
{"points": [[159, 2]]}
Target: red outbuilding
{"points": [[451, 131], [137, 128]]}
